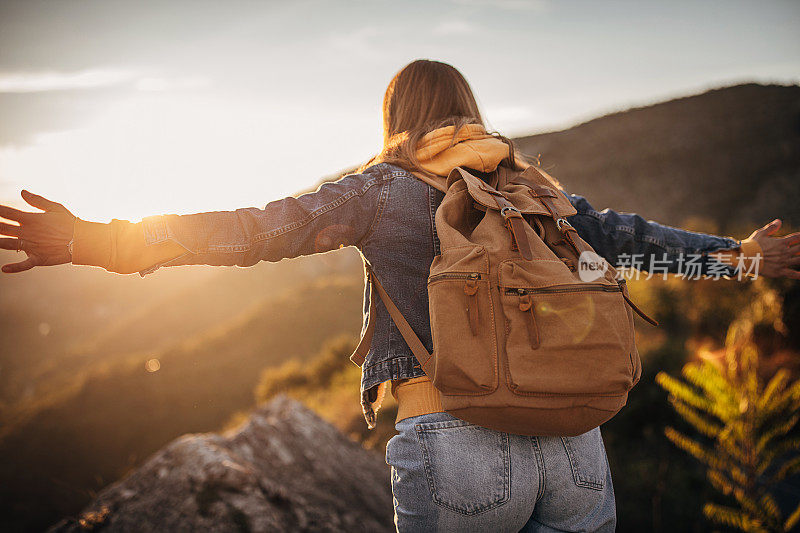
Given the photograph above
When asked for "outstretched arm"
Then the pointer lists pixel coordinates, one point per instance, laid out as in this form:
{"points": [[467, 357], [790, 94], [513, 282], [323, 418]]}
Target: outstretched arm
{"points": [[44, 237], [338, 214], [615, 235]]}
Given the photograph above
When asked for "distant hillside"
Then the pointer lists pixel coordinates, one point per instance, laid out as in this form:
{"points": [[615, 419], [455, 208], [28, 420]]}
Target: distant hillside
{"points": [[58, 322], [117, 412], [729, 155]]}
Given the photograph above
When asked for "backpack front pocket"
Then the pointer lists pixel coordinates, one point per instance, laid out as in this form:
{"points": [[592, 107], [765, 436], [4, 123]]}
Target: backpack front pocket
{"points": [[574, 339], [462, 324]]}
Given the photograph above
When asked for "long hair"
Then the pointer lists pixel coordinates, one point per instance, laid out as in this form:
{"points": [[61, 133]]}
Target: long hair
{"points": [[426, 95]]}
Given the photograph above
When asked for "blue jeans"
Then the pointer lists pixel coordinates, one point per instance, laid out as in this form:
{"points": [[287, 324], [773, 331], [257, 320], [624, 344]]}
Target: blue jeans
{"points": [[450, 475]]}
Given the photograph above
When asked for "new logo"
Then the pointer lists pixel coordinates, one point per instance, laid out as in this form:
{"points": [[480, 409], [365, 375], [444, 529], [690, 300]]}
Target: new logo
{"points": [[591, 266]]}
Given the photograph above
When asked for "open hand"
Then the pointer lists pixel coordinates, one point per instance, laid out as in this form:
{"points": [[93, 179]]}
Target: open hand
{"points": [[44, 237], [780, 255]]}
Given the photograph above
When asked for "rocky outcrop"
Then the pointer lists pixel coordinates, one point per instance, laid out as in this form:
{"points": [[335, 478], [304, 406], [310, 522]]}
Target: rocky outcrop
{"points": [[284, 470]]}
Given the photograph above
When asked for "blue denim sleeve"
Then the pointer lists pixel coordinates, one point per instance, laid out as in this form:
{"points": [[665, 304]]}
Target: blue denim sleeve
{"points": [[337, 214], [625, 237]]}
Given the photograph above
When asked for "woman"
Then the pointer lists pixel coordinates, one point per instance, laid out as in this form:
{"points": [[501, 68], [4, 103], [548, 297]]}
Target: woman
{"points": [[446, 474]]}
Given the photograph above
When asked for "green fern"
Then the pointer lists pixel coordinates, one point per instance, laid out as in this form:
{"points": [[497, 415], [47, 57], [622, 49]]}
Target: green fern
{"points": [[746, 430]]}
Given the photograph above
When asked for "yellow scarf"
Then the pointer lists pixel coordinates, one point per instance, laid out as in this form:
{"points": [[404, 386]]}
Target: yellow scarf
{"points": [[439, 152]]}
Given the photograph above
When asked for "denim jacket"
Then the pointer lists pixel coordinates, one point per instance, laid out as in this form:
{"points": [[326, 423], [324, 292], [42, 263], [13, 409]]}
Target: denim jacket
{"points": [[388, 214]]}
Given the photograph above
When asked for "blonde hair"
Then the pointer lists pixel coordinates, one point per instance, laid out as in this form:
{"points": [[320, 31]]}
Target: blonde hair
{"points": [[424, 96]]}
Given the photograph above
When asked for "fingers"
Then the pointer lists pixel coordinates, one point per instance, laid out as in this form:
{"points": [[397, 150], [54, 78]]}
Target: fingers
{"points": [[792, 274], [9, 229], [22, 266], [772, 227], [13, 214], [10, 244], [42, 203], [767, 230], [792, 239]]}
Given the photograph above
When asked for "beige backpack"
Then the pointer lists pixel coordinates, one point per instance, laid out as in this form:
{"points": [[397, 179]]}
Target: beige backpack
{"points": [[522, 343]]}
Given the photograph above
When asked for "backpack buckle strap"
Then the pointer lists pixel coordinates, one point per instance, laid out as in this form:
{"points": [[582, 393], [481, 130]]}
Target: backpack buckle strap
{"points": [[543, 195], [563, 225], [537, 191], [519, 239], [489, 189], [510, 211], [515, 223]]}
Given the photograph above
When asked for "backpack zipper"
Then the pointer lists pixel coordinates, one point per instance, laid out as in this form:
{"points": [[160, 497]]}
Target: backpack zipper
{"points": [[521, 291], [559, 289], [455, 275]]}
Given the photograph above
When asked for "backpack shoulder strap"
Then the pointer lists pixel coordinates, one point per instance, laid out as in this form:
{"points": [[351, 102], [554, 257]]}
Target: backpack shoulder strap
{"points": [[360, 353], [411, 338]]}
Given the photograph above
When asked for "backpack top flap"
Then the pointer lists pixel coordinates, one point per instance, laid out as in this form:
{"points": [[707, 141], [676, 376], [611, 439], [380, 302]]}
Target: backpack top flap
{"points": [[518, 191]]}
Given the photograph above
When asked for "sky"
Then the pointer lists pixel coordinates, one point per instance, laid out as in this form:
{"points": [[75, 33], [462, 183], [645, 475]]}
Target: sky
{"points": [[123, 109]]}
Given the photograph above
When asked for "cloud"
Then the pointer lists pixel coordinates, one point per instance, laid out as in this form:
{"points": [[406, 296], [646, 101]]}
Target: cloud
{"points": [[455, 27], [29, 114], [510, 5], [509, 113], [34, 82], [360, 43], [33, 103], [149, 84]]}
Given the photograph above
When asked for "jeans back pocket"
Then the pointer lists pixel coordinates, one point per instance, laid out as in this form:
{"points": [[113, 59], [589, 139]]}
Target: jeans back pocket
{"points": [[587, 459], [468, 468]]}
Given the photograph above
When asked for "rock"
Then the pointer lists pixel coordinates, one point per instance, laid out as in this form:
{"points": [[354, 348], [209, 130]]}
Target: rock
{"points": [[284, 470]]}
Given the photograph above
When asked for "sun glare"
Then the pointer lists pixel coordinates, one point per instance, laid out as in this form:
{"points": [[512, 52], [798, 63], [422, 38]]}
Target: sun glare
{"points": [[158, 153]]}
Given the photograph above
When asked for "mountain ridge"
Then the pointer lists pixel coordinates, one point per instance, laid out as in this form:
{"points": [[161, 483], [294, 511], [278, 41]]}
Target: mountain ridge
{"points": [[694, 156]]}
